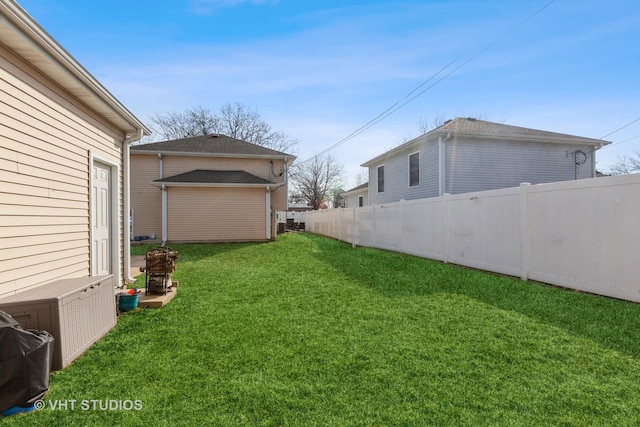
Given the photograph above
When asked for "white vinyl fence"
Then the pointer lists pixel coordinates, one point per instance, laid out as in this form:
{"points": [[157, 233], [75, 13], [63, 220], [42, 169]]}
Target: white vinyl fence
{"points": [[581, 234]]}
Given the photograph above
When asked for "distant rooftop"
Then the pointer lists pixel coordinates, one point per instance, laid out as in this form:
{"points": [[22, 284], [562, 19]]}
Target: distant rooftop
{"points": [[215, 144], [469, 126], [358, 188], [207, 176]]}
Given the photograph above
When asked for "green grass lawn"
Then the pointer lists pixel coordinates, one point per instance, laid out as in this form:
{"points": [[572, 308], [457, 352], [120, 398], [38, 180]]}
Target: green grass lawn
{"points": [[308, 331]]}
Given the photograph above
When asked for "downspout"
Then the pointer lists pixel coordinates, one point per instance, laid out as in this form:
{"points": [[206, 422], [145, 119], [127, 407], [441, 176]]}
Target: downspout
{"points": [[164, 202], [164, 215], [126, 165], [268, 213], [441, 163]]}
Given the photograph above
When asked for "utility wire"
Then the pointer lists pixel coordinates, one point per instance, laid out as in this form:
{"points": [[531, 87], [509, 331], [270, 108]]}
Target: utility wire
{"points": [[615, 144], [385, 113], [619, 129], [399, 104]]}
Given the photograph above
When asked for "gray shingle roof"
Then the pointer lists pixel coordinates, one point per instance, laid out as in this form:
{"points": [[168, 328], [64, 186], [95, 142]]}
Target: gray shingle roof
{"points": [[471, 126], [463, 126], [210, 144], [359, 187], [206, 176]]}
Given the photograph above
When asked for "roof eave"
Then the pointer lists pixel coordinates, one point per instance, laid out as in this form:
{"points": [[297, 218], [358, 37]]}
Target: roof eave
{"points": [[354, 192], [596, 143], [409, 144], [541, 139], [289, 158], [22, 34], [212, 184]]}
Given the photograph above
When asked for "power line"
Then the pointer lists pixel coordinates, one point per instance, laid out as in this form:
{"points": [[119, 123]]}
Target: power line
{"points": [[386, 112], [399, 104], [615, 144], [619, 129]]}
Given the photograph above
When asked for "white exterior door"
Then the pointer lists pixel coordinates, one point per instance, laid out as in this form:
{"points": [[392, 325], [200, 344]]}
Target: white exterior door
{"points": [[101, 220]]}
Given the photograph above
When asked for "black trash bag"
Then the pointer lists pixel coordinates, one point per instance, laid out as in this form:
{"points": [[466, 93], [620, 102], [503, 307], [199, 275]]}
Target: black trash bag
{"points": [[25, 364]]}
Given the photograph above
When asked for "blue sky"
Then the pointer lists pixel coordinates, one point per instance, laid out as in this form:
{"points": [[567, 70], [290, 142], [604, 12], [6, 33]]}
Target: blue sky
{"points": [[319, 70]]}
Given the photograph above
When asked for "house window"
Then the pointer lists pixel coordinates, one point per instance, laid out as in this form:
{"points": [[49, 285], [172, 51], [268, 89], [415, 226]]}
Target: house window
{"points": [[381, 179], [414, 169], [360, 201]]}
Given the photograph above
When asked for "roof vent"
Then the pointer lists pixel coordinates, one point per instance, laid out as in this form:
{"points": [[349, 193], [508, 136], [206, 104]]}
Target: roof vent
{"points": [[472, 119], [214, 135]]}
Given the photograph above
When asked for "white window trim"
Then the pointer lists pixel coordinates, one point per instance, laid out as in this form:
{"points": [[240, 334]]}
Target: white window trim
{"points": [[409, 170], [378, 179]]}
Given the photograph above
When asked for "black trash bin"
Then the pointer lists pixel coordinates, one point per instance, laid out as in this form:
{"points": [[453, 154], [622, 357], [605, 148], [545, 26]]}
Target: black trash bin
{"points": [[25, 363]]}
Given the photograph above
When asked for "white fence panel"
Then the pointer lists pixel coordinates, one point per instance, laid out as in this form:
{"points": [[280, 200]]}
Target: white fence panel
{"points": [[484, 230], [332, 223], [581, 234], [345, 224], [423, 227], [364, 226], [388, 227], [587, 236]]}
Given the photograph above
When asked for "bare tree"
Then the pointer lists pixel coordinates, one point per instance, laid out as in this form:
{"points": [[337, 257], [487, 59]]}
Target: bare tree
{"points": [[337, 198], [197, 121], [234, 120], [362, 177], [625, 165], [424, 126], [314, 180]]}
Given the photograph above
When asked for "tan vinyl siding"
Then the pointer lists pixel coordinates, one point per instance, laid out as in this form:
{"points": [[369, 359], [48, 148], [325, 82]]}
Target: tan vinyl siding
{"points": [[174, 165], [46, 139], [216, 214], [279, 198], [146, 199]]}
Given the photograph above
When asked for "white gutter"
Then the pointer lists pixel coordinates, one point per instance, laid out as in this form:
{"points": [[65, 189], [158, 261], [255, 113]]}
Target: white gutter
{"points": [[30, 41], [211, 184], [126, 165]]}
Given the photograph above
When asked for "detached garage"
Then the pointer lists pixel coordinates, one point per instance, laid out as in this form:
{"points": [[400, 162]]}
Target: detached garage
{"points": [[207, 189]]}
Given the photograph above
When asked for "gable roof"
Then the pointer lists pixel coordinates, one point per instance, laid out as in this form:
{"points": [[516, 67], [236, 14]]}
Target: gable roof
{"points": [[210, 145], [208, 177], [470, 127], [359, 188], [476, 127], [24, 36]]}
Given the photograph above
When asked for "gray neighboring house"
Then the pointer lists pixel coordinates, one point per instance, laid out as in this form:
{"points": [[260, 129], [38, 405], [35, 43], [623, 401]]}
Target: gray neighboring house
{"points": [[466, 155], [357, 196]]}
